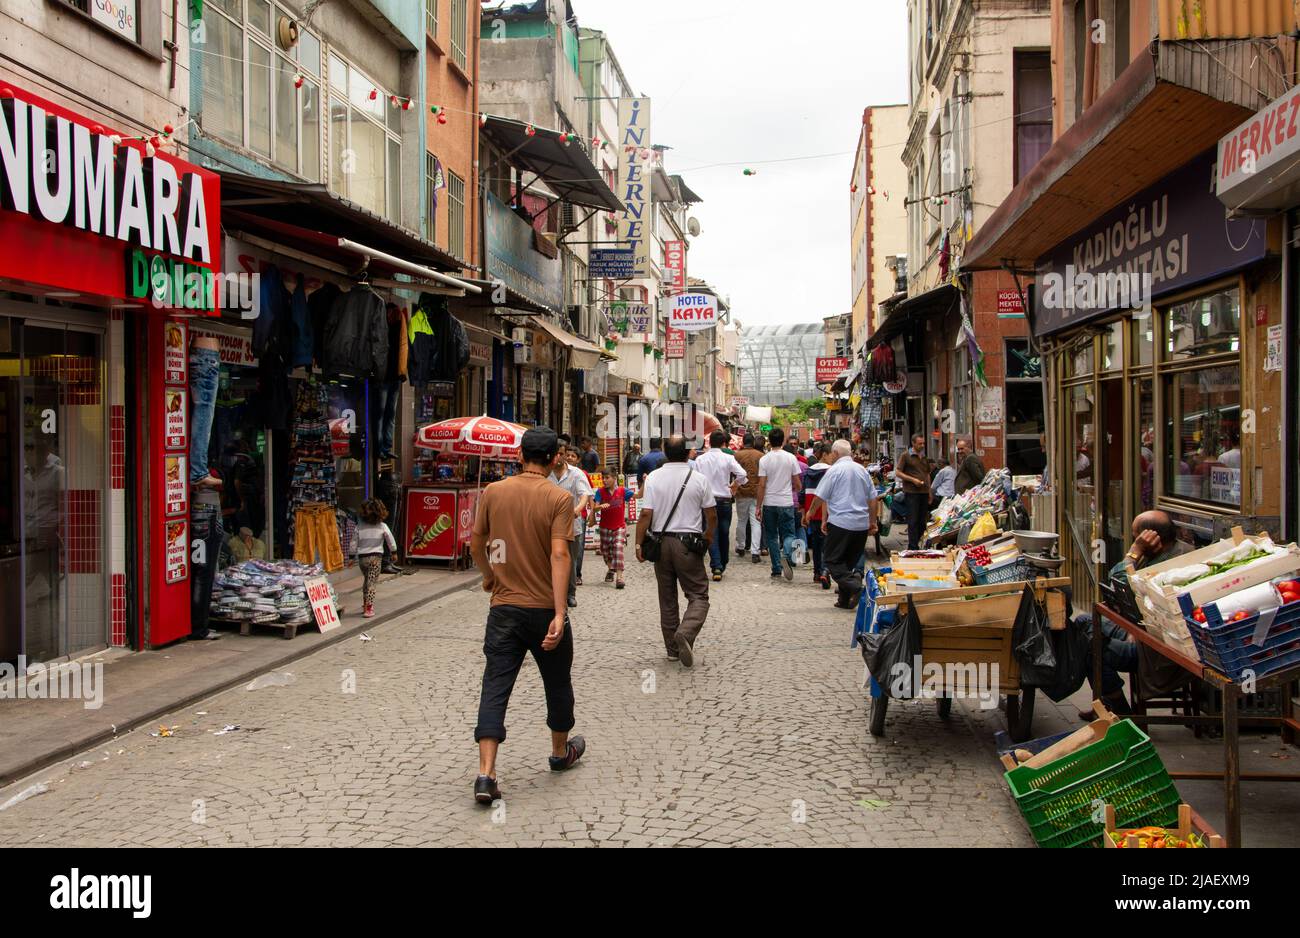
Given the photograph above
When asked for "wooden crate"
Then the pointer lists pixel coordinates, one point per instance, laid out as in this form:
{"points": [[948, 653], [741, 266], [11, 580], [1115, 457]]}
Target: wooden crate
{"points": [[1189, 822]]}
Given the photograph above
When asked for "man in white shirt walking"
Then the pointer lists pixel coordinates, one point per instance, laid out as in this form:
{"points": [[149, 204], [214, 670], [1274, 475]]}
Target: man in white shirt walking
{"points": [[778, 478], [846, 497], [679, 505], [724, 475], [574, 481]]}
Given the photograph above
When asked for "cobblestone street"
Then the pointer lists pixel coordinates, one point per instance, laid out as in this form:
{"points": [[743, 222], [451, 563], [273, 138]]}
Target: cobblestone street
{"points": [[764, 743]]}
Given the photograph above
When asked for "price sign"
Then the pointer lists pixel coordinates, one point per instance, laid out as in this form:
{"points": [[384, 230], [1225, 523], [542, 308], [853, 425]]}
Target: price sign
{"points": [[322, 602]]}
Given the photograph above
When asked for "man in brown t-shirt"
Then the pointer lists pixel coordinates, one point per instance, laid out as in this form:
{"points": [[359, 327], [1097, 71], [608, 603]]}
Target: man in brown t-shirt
{"points": [[522, 531], [913, 471]]}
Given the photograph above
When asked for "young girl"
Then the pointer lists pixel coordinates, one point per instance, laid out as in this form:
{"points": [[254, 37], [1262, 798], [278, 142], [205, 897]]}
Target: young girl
{"points": [[372, 535], [611, 505]]}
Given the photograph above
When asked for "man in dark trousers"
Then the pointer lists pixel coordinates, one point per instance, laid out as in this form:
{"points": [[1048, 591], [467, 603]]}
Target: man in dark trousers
{"points": [[913, 470], [970, 471], [679, 503], [522, 532]]}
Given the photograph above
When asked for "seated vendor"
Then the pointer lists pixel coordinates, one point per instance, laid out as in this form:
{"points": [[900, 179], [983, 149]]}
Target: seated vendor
{"points": [[1155, 540], [243, 546]]}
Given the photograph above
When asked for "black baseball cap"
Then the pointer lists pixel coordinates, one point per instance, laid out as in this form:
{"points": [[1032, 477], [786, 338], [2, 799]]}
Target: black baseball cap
{"points": [[539, 444]]}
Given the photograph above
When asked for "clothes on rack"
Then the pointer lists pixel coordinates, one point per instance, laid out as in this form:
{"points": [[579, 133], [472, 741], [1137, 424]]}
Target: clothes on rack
{"points": [[316, 532], [356, 335]]}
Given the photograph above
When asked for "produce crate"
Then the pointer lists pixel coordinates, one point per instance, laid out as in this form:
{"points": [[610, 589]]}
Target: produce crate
{"points": [[1013, 572], [1189, 822], [1226, 646], [1168, 598], [1059, 800]]}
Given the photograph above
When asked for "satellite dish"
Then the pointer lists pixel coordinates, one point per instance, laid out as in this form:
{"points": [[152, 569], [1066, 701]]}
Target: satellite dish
{"points": [[693, 226]]}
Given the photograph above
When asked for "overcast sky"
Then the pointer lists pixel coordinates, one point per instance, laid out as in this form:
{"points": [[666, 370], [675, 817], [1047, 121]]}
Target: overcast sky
{"points": [[763, 82]]}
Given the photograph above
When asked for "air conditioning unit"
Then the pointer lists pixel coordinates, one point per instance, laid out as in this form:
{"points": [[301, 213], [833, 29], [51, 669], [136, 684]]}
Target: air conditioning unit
{"points": [[520, 338]]}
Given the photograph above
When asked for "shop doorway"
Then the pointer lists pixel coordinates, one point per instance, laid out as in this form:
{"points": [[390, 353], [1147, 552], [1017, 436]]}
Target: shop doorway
{"points": [[1110, 471], [53, 486]]}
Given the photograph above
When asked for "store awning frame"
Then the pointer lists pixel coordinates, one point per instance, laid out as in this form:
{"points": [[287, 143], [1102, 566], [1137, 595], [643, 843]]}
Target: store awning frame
{"points": [[941, 299], [585, 355], [1106, 157], [566, 169]]}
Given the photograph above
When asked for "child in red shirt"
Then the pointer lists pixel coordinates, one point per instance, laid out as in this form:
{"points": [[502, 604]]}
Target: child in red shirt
{"points": [[611, 505]]}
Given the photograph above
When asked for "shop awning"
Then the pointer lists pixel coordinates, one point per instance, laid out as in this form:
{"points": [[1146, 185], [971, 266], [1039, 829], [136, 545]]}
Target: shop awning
{"points": [[516, 304], [933, 302], [1146, 125], [585, 355], [312, 207], [566, 170]]}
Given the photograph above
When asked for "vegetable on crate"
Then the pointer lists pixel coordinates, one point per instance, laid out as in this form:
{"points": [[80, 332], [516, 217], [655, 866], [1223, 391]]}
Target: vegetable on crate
{"points": [[1157, 838]]}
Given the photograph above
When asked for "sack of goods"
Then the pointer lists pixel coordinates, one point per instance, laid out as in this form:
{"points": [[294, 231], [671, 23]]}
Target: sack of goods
{"points": [[989, 497], [262, 591]]}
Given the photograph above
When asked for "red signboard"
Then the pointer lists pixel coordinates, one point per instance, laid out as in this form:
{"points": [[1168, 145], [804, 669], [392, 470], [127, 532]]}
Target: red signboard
{"points": [[675, 264], [676, 342], [138, 226], [828, 369], [1010, 303], [431, 524]]}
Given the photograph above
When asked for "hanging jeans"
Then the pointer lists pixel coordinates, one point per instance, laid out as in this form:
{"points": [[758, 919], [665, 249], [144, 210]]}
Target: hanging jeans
{"points": [[205, 526], [387, 395], [778, 528], [316, 530], [720, 548], [205, 375]]}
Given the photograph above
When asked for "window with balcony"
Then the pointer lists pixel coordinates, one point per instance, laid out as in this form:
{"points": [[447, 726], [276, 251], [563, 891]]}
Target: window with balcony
{"points": [[365, 140], [1033, 109], [459, 23], [251, 95], [433, 182], [455, 215], [431, 18]]}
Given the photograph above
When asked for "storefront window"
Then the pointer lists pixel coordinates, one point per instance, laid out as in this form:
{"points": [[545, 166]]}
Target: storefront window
{"points": [[1202, 442], [1113, 347], [1146, 457], [1207, 325], [1079, 360], [1143, 340], [1083, 500]]}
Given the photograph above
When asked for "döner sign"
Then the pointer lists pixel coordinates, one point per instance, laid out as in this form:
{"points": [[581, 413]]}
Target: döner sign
{"points": [[61, 172]]}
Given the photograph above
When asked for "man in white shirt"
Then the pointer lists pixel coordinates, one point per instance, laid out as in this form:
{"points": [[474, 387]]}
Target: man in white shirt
{"points": [[724, 475], [574, 481], [687, 531], [778, 477], [846, 498]]}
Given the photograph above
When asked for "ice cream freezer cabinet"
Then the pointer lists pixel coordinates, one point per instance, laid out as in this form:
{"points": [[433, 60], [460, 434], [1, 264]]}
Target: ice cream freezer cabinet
{"points": [[437, 524]]}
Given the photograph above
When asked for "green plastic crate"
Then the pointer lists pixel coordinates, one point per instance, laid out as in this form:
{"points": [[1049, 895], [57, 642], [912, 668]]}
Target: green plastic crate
{"points": [[1123, 769]]}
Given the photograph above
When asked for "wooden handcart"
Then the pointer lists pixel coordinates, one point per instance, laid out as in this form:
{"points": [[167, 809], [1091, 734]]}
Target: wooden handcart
{"points": [[973, 625]]}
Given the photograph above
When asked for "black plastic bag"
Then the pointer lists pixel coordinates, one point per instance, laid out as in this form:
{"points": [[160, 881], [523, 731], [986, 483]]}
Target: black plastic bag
{"points": [[892, 656], [1031, 641], [1073, 646]]}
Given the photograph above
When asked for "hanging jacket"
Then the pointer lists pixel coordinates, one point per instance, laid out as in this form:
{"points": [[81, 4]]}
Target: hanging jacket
{"points": [[301, 349], [398, 346], [319, 305], [451, 341], [421, 358], [356, 336], [270, 327]]}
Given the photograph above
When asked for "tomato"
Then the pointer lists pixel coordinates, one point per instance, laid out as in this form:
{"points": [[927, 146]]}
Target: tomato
{"points": [[1198, 614], [1290, 596], [1289, 586], [1238, 616]]}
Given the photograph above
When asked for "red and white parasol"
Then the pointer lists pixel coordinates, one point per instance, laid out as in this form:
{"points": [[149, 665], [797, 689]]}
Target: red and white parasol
{"points": [[473, 436]]}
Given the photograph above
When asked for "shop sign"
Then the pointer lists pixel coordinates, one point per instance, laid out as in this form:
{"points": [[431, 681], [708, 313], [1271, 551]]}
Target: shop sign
{"points": [[430, 524], [1225, 485], [897, 386], [96, 197], [1273, 356], [738, 404], [322, 602], [829, 369], [175, 370], [631, 318], [634, 168], [612, 264], [480, 353], [1168, 237], [176, 485], [117, 15], [693, 312], [513, 259], [1250, 154], [176, 414], [176, 551], [169, 283], [676, 343], [1010, 304], [988, 405], [675, 264], [232, 349]]}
